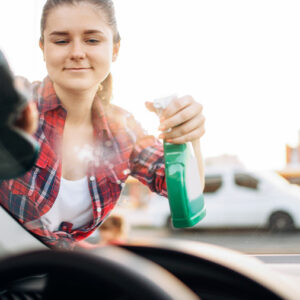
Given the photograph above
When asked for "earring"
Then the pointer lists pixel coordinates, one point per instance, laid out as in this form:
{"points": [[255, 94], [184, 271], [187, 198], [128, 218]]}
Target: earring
{"points": [[100, 87]]}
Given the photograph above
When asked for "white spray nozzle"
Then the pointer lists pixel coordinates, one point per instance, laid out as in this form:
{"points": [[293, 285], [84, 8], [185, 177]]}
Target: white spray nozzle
{"points": [[161, 103]]}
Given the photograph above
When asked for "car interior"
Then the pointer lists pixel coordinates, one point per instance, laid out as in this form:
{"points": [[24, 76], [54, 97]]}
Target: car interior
{"points": [[150, 268]]}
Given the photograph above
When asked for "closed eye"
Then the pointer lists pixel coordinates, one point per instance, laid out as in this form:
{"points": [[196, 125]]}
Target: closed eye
{"points": [[61, 42], [93, 41]]}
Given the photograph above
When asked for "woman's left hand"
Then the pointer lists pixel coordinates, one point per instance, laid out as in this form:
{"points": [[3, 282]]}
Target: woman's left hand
{"points": [[184, 116]]}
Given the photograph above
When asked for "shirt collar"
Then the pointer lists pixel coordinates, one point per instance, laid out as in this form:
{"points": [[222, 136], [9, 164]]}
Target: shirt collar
{"points": [[50, 101]]}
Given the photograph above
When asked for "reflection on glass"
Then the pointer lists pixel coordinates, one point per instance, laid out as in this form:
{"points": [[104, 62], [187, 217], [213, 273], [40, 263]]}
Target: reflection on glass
{"points": [[247, 76]]}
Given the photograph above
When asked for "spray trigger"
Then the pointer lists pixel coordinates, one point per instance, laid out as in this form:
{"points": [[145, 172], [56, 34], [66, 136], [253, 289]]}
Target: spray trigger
{"points": [[161, 103]]}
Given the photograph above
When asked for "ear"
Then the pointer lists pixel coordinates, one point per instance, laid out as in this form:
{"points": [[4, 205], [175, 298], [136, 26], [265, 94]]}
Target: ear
{"points": [[42, 47], [116, 51]]}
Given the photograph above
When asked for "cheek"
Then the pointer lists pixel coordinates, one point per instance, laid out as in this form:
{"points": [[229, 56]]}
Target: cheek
{"points": [[103, 64], [53, 57], [102, 55]]}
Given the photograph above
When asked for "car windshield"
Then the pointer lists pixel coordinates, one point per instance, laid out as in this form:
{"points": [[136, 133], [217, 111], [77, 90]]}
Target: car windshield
{"points": [[238, 59]]}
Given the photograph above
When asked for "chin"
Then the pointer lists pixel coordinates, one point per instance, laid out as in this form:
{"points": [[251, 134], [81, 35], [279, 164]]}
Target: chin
{"points": [[78, 85]]}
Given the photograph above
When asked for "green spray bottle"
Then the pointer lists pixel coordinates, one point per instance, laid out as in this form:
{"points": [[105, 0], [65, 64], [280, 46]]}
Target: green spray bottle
{"points": [[183, 179]]}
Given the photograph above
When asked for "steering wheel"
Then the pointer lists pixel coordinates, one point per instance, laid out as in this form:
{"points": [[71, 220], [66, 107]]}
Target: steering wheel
{"points": [[109, 273], [215, 273]]}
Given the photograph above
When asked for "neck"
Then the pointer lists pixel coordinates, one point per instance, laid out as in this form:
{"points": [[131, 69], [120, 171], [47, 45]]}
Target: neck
{"points": [[77, 104]]}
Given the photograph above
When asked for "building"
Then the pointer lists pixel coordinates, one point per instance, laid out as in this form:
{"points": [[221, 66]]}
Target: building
{"points": [[292, 169]]}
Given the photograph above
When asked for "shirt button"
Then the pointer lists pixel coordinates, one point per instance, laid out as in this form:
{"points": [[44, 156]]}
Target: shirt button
{"points": [[92, 178], [126, 172], [99, 209]]}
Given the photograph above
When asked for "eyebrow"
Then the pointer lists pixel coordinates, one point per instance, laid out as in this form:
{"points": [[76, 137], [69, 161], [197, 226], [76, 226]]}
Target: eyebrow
{"points": [[64, 33]]}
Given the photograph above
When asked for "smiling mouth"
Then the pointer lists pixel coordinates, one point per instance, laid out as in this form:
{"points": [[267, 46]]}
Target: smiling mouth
{"points": [[77, 69]]}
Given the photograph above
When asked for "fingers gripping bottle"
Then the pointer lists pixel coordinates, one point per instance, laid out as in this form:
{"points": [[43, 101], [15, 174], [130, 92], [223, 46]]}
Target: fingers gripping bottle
{"points": [[183, 179]]}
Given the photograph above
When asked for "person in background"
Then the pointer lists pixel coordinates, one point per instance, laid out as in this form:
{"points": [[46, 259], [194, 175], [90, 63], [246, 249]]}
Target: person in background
{"points": [[113, 231], [88, 146]]}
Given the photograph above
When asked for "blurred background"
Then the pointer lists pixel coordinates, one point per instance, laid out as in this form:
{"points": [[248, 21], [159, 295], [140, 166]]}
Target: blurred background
{"points": [[241, 60]]}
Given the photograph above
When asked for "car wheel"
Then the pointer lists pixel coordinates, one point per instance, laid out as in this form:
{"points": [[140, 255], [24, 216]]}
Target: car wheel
{"points": [[281, 222]]}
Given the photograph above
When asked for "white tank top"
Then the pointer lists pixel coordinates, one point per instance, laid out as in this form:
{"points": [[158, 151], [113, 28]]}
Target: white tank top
{"points": [[73, 204]]}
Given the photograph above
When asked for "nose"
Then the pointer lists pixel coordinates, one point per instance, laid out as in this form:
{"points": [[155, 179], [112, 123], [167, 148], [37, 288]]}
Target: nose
{"points": [[77, 51]]}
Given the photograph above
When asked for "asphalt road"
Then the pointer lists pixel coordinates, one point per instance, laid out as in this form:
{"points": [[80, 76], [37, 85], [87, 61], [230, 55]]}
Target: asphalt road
{"points": [[247, 241]]}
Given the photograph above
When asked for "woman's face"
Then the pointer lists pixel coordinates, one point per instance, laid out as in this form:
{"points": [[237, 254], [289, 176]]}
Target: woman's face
{"points": [[78, 46]]}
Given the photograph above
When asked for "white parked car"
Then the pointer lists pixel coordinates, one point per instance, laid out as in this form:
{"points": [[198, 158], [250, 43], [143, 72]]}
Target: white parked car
{"points": [[234, 199]]}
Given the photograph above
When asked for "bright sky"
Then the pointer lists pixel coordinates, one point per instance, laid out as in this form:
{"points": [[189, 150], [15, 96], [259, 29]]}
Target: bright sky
{"points": [[240, 58]]}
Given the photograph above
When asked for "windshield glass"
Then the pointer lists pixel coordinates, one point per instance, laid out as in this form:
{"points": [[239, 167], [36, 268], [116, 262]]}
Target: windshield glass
{"points": [[84, 128]]}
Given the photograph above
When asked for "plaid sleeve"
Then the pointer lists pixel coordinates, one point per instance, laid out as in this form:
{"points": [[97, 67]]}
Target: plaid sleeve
{"points": [[147, 160]]}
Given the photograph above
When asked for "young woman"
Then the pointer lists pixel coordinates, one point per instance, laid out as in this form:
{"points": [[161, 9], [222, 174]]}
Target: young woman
{"points": [[88, 146]]}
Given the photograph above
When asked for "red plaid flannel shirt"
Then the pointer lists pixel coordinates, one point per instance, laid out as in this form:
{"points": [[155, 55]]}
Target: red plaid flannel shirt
{"points": [[122, 149]]}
